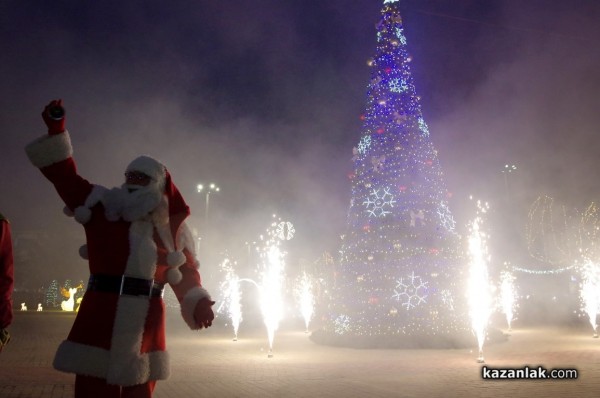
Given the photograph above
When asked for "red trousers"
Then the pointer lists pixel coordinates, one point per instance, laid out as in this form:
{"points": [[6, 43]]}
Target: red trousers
{"points": [[94, 387]]}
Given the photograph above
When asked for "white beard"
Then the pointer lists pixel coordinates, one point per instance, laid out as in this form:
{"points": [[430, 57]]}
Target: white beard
{"points": [[134, 205]]}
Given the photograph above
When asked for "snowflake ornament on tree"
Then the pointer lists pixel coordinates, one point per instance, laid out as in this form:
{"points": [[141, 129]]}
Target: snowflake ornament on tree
{"points": [[398, 85], [364, 144], [342, 324], [411, 292], [446, 218], [378, 201]]}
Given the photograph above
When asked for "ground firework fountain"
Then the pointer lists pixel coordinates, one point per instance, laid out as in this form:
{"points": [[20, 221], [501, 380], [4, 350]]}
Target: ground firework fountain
{"points": [[233, 296], [479, 296], [507, 296], [306, 299], [590, 292], [271, 289]]}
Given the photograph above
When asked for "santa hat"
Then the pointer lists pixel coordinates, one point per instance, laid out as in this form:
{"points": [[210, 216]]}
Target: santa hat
{"points": [[178, 211], [149, 166]]}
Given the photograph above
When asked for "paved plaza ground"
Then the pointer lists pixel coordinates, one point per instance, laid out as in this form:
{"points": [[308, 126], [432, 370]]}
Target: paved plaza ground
{"points": [[210, 364]]}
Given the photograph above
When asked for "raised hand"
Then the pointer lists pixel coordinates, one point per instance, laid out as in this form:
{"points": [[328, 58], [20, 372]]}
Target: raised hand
{"points": [[54, 117]]}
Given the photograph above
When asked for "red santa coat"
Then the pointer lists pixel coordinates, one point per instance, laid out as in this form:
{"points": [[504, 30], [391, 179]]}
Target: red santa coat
{"points": [[6, 274], [116, 337]]}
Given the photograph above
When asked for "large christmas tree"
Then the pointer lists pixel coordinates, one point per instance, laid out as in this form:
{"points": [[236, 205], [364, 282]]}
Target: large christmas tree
{"points": [[399, 271]]}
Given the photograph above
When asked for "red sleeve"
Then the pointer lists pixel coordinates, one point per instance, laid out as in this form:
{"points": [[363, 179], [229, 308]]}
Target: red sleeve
{"points": [[190, 277], [53, 155], [71, 187], [6, 275]]}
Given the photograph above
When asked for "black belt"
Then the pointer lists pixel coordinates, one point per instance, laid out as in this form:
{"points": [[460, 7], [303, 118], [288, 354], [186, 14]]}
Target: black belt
{"points": [[125, 285]]}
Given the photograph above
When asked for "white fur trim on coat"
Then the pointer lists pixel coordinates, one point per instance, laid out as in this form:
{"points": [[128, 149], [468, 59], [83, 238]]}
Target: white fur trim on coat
{"points": [[83, 213], [127, 366], [174, 260], [188, 304], [93, 361], [174, 276], [124, 364], [49, 149]]}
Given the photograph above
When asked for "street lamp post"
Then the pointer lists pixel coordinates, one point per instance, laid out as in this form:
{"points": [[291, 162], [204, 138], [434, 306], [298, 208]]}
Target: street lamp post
{"points": [[508, 168], [208, 189]]}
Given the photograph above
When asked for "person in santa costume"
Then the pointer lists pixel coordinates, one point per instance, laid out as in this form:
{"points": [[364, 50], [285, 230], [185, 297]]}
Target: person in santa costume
{"points": [[137, 241], [6, 281]]}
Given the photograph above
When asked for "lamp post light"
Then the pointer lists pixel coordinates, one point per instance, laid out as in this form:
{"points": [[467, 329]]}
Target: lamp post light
{"points": [[208, 189], [508, 168]]}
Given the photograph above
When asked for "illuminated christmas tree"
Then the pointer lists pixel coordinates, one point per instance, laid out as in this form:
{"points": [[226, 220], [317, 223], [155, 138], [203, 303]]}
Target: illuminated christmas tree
{"points": [[399, 267], [52, 300]]}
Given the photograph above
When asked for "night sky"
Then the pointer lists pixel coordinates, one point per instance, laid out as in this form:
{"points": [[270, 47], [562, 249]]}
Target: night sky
{"points": [[264, 97]]}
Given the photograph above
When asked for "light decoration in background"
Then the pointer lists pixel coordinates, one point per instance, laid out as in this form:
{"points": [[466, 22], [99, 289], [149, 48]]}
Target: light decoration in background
{"points": [[51, 300], [589, 229], [552, 236], [285, 230], [398, 219], [479, 289], [69, 294], [507, 296], [306, 298]]}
